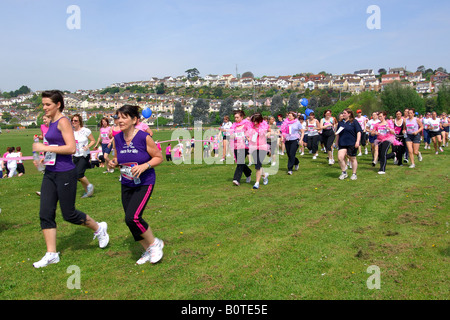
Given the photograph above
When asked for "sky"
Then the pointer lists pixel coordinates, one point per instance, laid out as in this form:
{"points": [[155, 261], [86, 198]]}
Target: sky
{"points": [[121, 41]]}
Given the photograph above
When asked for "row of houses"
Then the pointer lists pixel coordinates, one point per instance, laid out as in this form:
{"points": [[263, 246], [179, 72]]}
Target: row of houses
{"points": [[362, 80]]}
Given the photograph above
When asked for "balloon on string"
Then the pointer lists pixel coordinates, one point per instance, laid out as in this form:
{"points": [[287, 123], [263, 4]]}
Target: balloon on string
{"points": [[308, 111], [304, 102], [147, 113]]}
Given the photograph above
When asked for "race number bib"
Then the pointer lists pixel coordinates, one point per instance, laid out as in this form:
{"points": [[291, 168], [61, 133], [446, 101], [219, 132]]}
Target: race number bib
{"points": [[50, 157]]}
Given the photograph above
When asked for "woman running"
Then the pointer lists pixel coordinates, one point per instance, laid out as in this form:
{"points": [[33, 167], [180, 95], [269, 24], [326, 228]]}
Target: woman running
{"points": [[304, 142], [347, 138], [137, 154], [225, 129], [385, 133], [445, 129], [372, 138], [399, 149], [105, 140], [60, 179], [313, 127], [84, 141], [328, 125], [292, 132], [435, 132], [20, 167], [237, 130], [413, 129], [257, 136]]}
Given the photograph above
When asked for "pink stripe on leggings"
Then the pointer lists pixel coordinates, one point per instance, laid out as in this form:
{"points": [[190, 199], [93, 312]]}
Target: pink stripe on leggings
{"points": [[141, 207]]}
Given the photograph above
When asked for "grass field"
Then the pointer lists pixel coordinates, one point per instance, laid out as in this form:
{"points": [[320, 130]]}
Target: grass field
{"points": [[305, 236]]}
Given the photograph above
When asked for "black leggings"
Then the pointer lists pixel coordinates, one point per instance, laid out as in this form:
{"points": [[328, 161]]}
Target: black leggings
{"points": [[134, 200], [239, 156], [313, 143], [62, 187], [291, 150], [383, 154], [328, 138]]}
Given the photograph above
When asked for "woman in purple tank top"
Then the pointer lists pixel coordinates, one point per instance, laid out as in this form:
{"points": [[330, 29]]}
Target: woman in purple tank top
{"points": [[137, 154], [60, 179]]}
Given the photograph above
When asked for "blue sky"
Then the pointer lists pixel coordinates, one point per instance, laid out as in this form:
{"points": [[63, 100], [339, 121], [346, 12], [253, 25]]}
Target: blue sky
{"points": [[135, 40]]}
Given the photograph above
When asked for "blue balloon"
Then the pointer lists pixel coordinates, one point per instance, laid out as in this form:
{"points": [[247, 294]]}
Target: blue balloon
{"points": [[308, 111], [146, 113], [304, 102]]}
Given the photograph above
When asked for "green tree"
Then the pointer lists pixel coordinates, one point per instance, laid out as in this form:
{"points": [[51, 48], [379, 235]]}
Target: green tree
{"points": [[200, 110], [178, 114], [293, 104], [397, 96], [191, 73], [276, 105], [443, 98], [226, 107]]}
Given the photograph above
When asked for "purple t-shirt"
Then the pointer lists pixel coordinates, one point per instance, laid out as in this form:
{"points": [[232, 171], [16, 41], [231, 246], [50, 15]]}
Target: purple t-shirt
{"points": [[63, 162], [134, 154]]}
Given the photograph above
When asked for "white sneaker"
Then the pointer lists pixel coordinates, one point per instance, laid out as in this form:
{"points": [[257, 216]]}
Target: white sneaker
{"points": [[419, 156], [359, 154], [381, 172], [49, 258], [248, 179], [266, 179], [256, 185], [366, 152], [302, 154], [236, 183], [330, 161], [353, 177], [273, 163], [296, 167], [412, 166], [343, 176], [440, 149], [90, 190], [314, 157], [289, 172], [156, 252], [102, 235]]}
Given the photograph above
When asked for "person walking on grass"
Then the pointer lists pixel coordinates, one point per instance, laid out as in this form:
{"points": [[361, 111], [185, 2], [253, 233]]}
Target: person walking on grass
{"points": [[435, 126], [238, 143], [84, 141], [399, 149], [257, 137], [313, 127], [292, 132], [348, 135], [384, 130], [328, 126], [137, 154], [60, 179], [104, 139], [413, 129]]}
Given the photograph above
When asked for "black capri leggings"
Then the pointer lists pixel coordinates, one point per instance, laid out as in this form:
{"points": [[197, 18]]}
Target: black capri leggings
{"points": [[62, 187], [328, 138], [134, 200], [313, 143]]}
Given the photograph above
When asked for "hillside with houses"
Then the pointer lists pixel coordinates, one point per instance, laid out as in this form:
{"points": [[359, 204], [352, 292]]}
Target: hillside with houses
{"points": [[161, 95]]}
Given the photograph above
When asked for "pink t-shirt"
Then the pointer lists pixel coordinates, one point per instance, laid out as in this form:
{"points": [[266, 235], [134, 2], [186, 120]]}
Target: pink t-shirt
{"points": [[104, 133], [168, 150], [141, 126]]}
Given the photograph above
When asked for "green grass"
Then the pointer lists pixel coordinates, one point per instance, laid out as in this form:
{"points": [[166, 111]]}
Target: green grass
{"points": [[305, 236]]}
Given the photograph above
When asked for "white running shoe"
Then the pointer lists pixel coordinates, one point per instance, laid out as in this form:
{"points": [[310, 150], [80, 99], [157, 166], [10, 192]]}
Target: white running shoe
{"points": [[266, 179], [366, 152], [440, 149], [353, 177], [49, 258], [419, 156], [273, 163], [236, 183], [296, 167], [249, 179], [412, 166], [90, 190], [256, 185], [102, 235], [381, 172], [314, 157], [289, 172], [302, 154], [359, 154], [343, 176], [156, 252]]}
